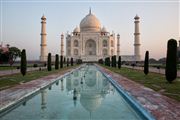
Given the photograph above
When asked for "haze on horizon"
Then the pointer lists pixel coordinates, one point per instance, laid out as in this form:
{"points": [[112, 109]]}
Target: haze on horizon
{"points": [[21, 27]]}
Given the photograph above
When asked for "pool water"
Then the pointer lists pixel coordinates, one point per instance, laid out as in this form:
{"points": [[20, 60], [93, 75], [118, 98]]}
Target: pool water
{"points": [[84, 94]]}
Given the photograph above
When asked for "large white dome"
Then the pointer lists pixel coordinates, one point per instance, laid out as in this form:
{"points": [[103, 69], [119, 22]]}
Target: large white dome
{"points": [[90, 23]]}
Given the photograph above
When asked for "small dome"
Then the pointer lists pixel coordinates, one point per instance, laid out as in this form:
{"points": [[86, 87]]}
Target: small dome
{"points": [[77, 29], [90, 23], [136, 17], [104, 29]]}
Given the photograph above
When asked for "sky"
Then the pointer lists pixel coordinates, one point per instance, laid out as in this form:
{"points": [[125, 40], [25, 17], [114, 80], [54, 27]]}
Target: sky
{"points": [[20, 23]]}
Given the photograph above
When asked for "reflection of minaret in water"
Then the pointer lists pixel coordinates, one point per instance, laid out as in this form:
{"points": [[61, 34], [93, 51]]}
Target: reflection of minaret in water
{"points": [[43, 99], [62, 86]]}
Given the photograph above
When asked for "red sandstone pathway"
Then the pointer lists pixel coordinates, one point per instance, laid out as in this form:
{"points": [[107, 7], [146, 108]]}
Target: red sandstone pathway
{"points": [[160, 106]]}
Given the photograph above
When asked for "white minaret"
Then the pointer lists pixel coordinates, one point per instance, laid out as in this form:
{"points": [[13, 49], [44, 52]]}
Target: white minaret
{"points": [[43, 56], [62, 44], [137, 39], [118, 45]]}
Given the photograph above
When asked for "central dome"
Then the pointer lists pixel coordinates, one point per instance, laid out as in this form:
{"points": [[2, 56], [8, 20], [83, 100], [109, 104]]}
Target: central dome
{"points": [[90, 23]]}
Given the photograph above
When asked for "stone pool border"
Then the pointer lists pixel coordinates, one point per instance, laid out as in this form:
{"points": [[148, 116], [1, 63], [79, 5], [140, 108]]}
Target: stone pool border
{"points": [[130, 99], [12, 97], [160, 106]]}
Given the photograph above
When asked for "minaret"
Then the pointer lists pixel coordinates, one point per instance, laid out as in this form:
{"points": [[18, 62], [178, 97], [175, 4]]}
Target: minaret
{"points": [[118, 45], [137, 39], [62, 44], [43, 55]]}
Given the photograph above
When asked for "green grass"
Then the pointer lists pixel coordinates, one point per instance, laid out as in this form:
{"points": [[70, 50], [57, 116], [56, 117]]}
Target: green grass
{"points": [[154, 81], [6, 68], [12, 80]]}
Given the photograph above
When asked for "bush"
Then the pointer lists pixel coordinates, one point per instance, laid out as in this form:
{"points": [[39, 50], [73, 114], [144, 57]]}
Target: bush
{"points": [[57, 62], [35, 65], [49, 62], [79, 61], [23, 62], [146, 63], [100, 61], [171, 61]]}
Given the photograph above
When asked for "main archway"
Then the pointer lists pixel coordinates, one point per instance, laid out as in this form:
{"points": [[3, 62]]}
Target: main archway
{"points": [[90, 47]]}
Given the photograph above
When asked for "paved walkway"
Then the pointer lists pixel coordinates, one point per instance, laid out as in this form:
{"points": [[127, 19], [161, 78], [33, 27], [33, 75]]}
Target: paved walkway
{"points": [[11, 96], [160, 106], [151, 69], [15, 71]]}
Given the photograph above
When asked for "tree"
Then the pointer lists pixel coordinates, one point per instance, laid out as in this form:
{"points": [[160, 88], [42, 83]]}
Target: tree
{"points": [[119, 62], [23, 62], [61, 61], [114, 61], [67, 62], [72, 61], [14, 53], [49, 62], [108, 61], [146, 63], [57, 62], [64, 60], [171, 61]]}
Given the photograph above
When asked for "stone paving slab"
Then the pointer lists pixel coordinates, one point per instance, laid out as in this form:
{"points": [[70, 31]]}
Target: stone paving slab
{"points": [[160, 106], [12, 95]]}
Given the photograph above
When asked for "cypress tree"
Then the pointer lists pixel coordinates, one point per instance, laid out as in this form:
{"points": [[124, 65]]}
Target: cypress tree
{"points": [[49, 62], [23, 62], [67, 62], [119, 62], [64, 60], [171, 61], [146, 63], [72, 61], [114, 61], [61, 61], [57, 62], [108, 62]]}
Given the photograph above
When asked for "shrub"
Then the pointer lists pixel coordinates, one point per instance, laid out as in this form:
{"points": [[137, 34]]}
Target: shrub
{"points": [[23, 62], [49, 62], [146, 63], [171, 61], [57, 62], [35, 65]]}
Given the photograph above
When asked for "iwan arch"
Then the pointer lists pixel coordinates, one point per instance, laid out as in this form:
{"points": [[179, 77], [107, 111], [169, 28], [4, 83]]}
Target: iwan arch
{"points": [[90, 41]]}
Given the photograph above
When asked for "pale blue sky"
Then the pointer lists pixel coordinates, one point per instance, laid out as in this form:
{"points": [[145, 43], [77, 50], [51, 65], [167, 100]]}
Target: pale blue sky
{"points": [[20, 22]]}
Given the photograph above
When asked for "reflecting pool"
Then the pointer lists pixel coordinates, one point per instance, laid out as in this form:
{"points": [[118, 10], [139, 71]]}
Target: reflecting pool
{"points": [[84, 94]]}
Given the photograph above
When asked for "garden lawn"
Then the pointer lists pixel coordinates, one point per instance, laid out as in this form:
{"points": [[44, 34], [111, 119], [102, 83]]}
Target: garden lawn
{"points": [[11, 80], [154, 81]]}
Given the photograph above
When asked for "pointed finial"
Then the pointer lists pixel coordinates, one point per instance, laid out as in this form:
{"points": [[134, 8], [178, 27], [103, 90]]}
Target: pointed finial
{"points": [[90, 10]]}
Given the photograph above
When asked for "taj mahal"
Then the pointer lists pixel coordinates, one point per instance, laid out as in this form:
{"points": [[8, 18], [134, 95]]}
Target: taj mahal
{"points": [[90, 41]]}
